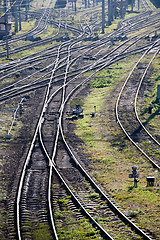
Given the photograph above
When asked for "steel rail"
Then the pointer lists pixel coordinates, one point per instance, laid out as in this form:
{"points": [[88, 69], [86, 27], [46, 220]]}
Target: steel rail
{"points": [[79, 48], [82, 169], [98, 62], [45, 108], [75, 199], [56, 137], [117, 103], [35, 28], [100, 40], [24, 60], [135, 103], [47, 97], [92, 220], [137, 229], [51, 159], [110, 203], [8, 89], [53, 48], [38, 52], [20, 185], [27, 46], [44, 76], [8, 9], [43, 83], [32, 145], [78, 164], [147, 3], [142, 233]]}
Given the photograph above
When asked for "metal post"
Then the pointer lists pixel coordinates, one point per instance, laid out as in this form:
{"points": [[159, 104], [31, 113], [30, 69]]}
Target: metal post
{"points": [[75, 8], [16, 19], [138, 4], [132, 5], [103, 15], [88, 3], [126, 4], [115, 9], [121, 9], [19, 9], [27, 7], [109, 12], [85, 3], [124, 8], [6, 27]]}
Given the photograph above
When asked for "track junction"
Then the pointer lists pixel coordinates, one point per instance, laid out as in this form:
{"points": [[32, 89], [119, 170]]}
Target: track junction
{"points": [[49, 168]]}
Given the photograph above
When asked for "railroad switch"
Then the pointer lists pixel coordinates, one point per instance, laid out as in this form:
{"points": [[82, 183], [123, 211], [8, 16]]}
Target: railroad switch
{"points": [[92, 114], [20, 109], [147, 37], [150, 109], [158, 92], [14, 124], [29, 38], [14, 115], [78, 110], [134, 175], [8, 136], [76, 113]]}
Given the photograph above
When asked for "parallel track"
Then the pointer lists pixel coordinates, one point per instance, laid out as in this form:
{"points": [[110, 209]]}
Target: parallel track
{"points": [[135, 130], [48, 142]]}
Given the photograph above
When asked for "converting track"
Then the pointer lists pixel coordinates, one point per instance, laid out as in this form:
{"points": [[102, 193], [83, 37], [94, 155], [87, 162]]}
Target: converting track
{"points": [[49, 157]]}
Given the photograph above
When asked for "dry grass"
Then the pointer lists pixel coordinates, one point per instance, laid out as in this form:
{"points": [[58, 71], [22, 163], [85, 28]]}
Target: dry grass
{"points": [[113, 157]]}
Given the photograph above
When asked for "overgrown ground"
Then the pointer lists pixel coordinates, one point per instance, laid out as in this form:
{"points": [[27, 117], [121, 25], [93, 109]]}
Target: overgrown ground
{"points": [[64, 215], [113, 155]]}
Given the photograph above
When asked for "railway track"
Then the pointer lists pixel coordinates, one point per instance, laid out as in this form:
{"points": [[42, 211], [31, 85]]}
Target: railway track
{"points": [[38, 29], [100, 62], [50, 53], [49, 156], [121, 30], [136, 131], [71, 156]]}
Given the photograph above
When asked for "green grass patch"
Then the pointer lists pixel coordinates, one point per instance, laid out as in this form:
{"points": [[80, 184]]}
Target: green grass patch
{"points": [[62, 201], [42, 232], [67, 225], [93, 195], [30, 51], [150, 99], [26, 26], [112, 155], [110, 76]]}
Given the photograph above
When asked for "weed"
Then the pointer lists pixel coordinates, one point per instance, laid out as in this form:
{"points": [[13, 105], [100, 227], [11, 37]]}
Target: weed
{"points": [[112, 159], [58, 215], [62, 201], [93, 195], [134, 213], [42, 232]]}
